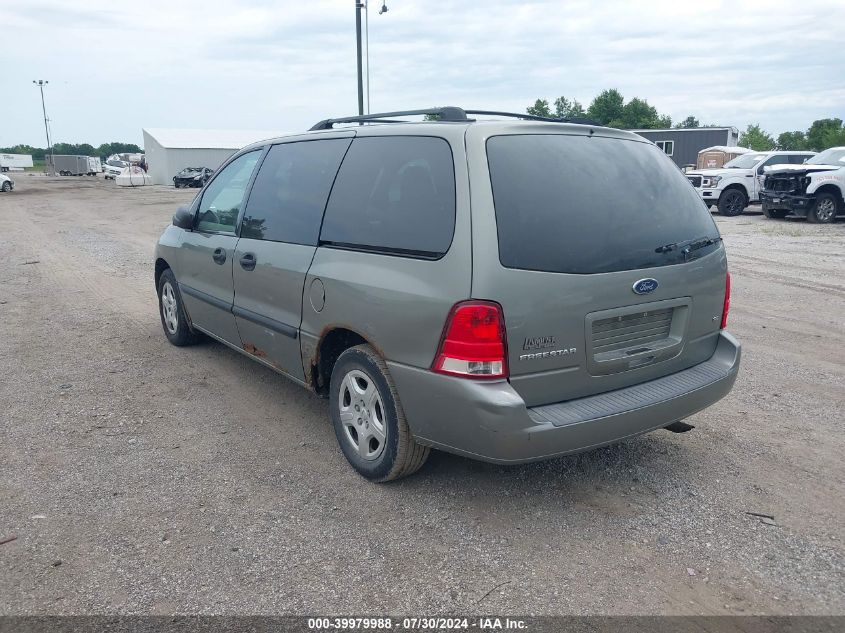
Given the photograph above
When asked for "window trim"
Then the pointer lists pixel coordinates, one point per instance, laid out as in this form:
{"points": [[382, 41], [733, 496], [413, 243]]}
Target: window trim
{"points": [[662, 146], [247, 190], [387, 250], [242, 212]]}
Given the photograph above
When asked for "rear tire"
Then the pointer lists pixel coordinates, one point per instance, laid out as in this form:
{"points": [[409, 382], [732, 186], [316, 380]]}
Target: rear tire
{"points": [[825, 209], [368, 419], [774, 214], [732, 202], [172, 312]]}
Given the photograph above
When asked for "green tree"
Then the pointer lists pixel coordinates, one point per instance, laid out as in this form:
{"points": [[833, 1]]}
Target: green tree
{"points": [[540, 108], [825, 133], [607, 107], [689, 122], [566, 109], [792, 140], [756, 139], [638, 114]]}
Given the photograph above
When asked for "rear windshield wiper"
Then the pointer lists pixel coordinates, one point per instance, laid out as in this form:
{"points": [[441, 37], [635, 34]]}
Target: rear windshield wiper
{"points": [[689, 245]]}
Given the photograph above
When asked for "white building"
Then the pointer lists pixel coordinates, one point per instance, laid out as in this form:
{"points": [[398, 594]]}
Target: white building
{"points": [[168, 151]]}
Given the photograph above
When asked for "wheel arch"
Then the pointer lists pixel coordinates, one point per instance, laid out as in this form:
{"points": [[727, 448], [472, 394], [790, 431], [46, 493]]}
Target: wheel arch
{"points": [[160, 267], [333, 341], [736, 185], [834, 190]]}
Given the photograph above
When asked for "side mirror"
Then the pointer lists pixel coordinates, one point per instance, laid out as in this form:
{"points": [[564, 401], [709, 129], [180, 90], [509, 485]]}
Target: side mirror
{"points": [[183, 218]]}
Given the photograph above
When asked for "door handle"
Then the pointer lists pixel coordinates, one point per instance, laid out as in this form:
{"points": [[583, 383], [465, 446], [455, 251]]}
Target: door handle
{"points": [[219, 256], [248, 261]]}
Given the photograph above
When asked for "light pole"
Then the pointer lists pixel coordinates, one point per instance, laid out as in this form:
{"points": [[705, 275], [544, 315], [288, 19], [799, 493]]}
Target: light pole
{"points": [[41, 83], [358, 6]]}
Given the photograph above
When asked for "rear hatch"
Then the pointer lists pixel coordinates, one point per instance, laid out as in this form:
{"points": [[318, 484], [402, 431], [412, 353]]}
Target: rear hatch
{"points": [[608, 267]]}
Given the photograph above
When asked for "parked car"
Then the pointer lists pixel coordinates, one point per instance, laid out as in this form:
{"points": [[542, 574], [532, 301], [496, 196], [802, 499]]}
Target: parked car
{"points": [[739, 182], [113, 168], [6, 183], [454, 285], [813, 190], [192, 177]]}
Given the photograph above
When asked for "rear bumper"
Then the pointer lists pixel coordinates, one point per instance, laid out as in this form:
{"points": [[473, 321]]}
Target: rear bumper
{"points": [[798, 204], [489, 421]]}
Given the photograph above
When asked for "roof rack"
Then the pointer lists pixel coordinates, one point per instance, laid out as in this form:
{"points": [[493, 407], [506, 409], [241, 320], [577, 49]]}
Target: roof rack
{"points": [[445, 114]]}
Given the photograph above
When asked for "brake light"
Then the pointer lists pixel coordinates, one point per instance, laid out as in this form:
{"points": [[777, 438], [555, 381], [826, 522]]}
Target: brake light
{"points": [[474, 342], [727, 305]]}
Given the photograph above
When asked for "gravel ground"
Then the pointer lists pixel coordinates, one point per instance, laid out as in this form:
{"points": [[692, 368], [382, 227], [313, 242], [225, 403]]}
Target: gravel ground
{"points": [[145, 479]]}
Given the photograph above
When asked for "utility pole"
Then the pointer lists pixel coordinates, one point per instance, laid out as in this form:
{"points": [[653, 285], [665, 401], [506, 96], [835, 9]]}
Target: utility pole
{"points": [[51, 166], [358, 6]]}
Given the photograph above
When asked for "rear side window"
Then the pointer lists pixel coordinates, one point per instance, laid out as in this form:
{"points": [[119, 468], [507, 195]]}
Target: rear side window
{"points": [[290, 191], [394, 194], [579, 204]]}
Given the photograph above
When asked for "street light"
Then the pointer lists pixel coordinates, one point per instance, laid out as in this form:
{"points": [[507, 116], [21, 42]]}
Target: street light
{"points": [[358, 6], [41, 83]]}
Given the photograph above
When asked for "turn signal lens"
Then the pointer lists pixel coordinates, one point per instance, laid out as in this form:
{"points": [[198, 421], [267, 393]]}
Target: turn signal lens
{"points": [[727, 305], [473, 343]]}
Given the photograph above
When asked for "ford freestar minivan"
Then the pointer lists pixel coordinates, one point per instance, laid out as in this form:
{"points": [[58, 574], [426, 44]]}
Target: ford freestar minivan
{"points": [[508, 290]]}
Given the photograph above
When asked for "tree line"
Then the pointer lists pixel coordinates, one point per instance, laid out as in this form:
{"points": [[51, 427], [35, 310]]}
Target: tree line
{"points": [[82, 149], [822, 134], [610, 108]]}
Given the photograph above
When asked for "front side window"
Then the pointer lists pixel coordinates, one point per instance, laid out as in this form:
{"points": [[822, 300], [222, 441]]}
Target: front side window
{"points": [[221, 202], [289, 195], [394, 194]]}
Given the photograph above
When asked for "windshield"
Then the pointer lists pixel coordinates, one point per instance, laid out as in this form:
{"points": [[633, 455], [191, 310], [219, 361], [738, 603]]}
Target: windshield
{"points": [[579, 204], [832, 156], [746, 161]]}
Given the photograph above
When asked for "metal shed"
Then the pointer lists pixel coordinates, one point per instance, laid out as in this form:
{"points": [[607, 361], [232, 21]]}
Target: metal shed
{"points": [[684, 144], [168, 151]]}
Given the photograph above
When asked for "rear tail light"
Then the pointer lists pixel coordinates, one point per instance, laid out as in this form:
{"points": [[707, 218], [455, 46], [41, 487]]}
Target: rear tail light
{"points": [[727, 305], [474, 342]]}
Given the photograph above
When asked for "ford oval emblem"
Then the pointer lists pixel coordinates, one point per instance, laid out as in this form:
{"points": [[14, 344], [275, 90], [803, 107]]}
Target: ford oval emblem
{"points": [[645, 286]]}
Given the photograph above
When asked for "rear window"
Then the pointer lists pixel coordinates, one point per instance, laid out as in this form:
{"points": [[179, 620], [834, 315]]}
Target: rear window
{"points": [[579, 204], [393, 194]]}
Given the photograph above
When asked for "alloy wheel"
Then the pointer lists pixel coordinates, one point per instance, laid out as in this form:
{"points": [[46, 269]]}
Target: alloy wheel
{"points": [[169, 308], [362, 415]]}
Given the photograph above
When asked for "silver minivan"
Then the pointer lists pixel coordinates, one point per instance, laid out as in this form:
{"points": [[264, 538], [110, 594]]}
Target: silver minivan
{"points": [[508, 289]]}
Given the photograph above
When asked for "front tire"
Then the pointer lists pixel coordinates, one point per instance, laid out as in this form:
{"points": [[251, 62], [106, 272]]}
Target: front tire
{"points": [[172, 312], [732, 202], [7, 186], [825, 209], [368, 419]]}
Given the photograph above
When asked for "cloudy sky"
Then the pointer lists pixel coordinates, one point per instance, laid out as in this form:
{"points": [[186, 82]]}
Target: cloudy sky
{"points": [[116, 66]]}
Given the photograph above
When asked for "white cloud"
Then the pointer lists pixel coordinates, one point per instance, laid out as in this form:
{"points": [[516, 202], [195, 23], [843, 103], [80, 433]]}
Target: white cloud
{"points": [[116, 67]]}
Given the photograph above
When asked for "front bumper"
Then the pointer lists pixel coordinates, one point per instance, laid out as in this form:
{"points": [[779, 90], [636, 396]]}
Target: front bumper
{"points": [[710, 196], [797, 204], [488, 420]]}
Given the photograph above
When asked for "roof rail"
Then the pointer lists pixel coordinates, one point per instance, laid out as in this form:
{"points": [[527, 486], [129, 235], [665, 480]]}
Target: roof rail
{"points": [[448, 114]]}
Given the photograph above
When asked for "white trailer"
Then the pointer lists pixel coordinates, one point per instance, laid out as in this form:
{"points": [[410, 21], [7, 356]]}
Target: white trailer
{"points": [[15, 162], [95, 166]]}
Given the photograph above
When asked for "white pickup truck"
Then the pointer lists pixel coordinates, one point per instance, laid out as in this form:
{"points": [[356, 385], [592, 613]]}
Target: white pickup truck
{"points": [[814, 190], [740, 181]]}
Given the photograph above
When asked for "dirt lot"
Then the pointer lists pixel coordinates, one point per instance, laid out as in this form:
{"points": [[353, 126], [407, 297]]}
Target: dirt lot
{"points": [[142, 478]]}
